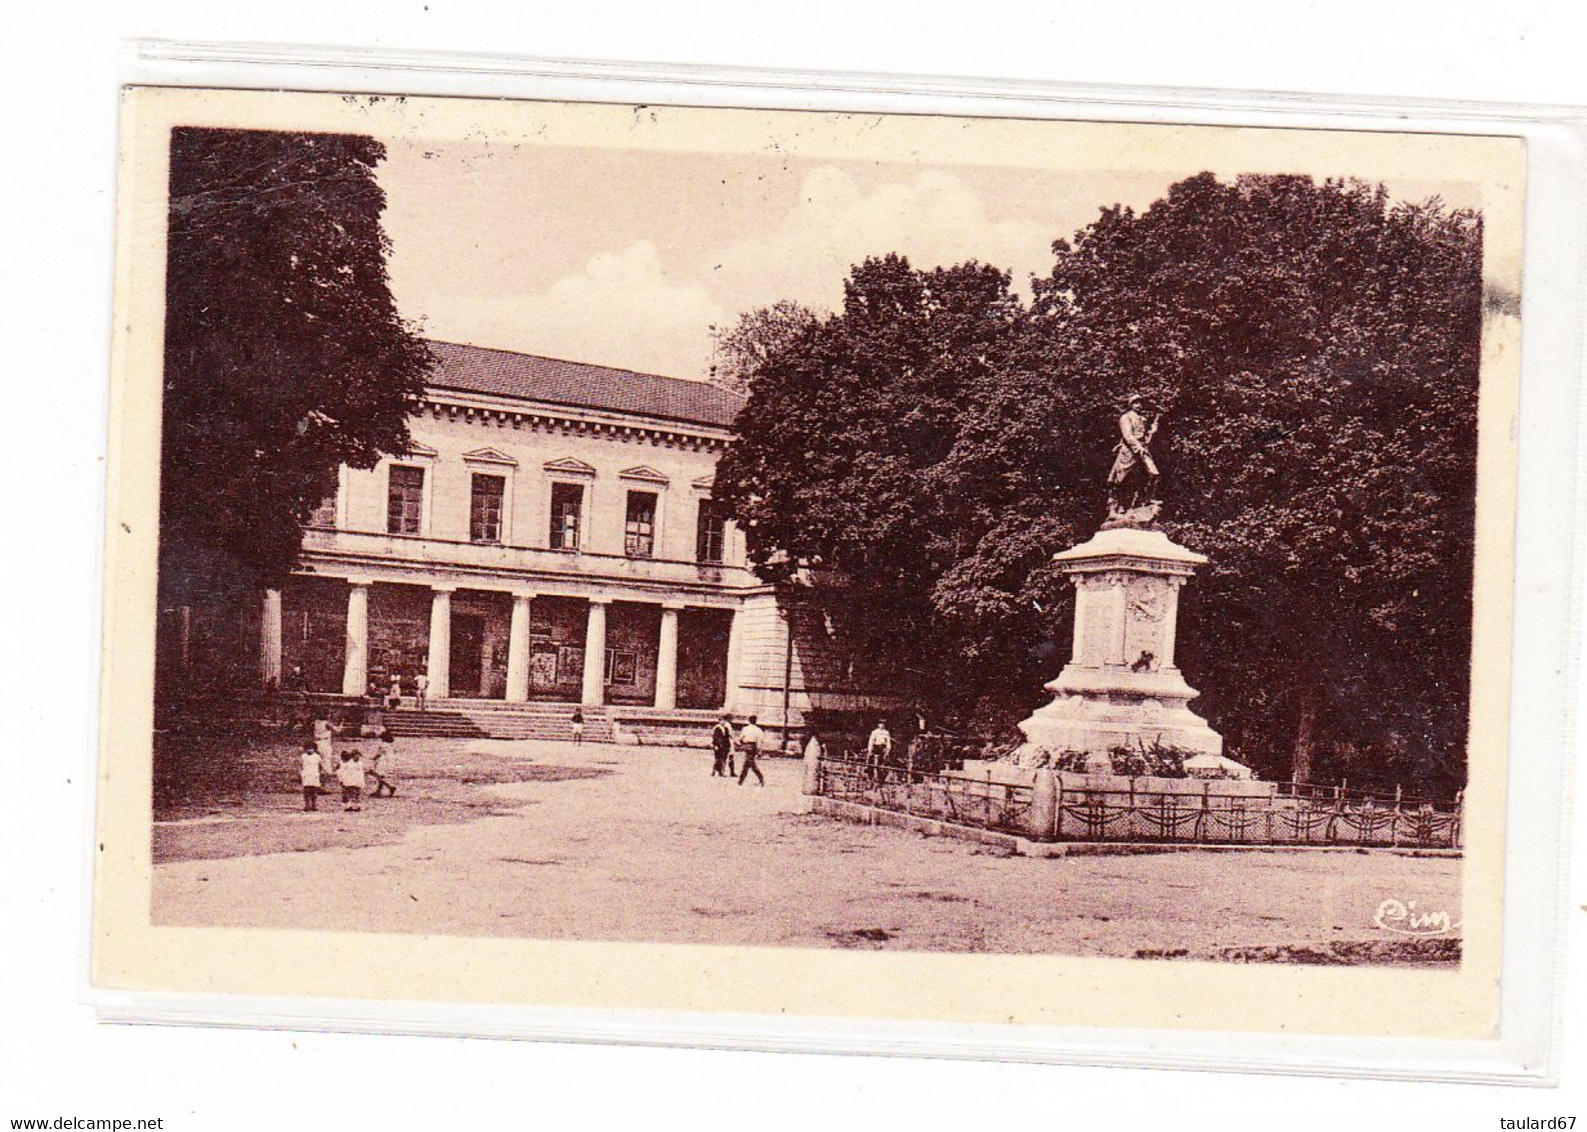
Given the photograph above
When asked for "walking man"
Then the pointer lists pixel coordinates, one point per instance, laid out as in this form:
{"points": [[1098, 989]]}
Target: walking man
{"points": [[749, 741], [722, 747]]}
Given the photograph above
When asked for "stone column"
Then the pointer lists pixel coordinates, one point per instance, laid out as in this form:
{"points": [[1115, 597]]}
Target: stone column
{"points": [[1118, 600], [355, 672], [812, 769], [667, 658], [1077, 650], [270, 638], [1041, 820], [1170, 623], [595, 653], [439, 663], [518, 650]]}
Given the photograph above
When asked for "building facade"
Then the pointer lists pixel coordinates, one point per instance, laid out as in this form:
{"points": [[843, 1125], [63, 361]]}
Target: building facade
{"points": [[551, 536]]}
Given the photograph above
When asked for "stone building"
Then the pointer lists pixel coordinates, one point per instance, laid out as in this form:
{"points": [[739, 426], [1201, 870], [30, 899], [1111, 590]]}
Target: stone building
{"points": [[550, 537]]}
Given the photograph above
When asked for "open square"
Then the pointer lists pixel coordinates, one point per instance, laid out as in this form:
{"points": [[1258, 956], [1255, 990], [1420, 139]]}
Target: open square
{"points": [[592, 841]]}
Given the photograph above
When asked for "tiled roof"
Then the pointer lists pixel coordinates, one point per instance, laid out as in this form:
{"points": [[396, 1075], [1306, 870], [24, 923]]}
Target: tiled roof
{"points": [[577, 384]]}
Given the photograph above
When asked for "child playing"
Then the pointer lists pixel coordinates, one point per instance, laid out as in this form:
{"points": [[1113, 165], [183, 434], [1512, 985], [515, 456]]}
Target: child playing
{"points": [[351, 775], [578, 725], [309, 775], [383, 765]]}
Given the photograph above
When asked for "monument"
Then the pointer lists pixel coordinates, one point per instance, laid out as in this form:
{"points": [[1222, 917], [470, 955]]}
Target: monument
{"points": [[1121, 688]]}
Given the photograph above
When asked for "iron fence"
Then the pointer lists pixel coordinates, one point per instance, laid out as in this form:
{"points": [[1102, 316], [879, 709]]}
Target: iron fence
{"points": [[950, 798], [1195, 814]]}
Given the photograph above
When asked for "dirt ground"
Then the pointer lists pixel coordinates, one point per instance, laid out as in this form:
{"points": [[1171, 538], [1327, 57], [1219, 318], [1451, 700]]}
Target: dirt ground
{"points": [[548, 840]]}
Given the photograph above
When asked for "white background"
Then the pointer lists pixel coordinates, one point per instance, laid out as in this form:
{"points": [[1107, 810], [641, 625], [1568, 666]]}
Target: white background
{"points": [[56, 181]]}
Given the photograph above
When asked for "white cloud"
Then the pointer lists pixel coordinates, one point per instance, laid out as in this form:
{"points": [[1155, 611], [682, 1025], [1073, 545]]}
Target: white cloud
{"points": [[623, 308], [934, 219], [619, 309]]}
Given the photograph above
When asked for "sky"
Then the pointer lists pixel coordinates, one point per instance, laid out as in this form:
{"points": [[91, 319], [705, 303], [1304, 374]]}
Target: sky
{"points": [[628, 258]]}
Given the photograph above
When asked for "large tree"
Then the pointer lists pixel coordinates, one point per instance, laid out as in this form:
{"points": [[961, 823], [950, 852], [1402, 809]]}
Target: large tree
{"points": [[284, 353], [1317, 346], [844, 426]]}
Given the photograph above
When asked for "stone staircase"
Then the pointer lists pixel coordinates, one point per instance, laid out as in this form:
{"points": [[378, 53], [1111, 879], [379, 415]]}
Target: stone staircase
{"points": [[462, 719], [683, 727]]}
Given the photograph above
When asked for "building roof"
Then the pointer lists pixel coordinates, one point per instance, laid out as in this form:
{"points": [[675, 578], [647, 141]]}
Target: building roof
{"points": [[503, 373]]}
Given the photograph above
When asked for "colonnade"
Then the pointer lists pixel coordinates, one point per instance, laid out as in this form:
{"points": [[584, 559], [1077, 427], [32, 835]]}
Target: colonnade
{"points": [[355, 671]]}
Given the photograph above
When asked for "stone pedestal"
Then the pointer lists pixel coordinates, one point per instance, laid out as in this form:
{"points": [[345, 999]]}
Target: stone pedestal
{"points": [[1121, 689]]}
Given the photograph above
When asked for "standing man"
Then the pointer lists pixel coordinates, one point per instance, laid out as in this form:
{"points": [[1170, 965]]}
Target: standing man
{"points": [[1132, 481], [880, 744], [722, 747], [879, 748], [749, 741], [421, 689]]}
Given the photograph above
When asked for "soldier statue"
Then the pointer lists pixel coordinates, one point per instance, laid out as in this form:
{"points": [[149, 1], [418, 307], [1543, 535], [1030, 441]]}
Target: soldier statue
{"points": [[1133, 498]]}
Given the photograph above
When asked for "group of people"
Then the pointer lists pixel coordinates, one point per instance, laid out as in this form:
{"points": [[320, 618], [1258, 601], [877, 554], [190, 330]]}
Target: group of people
{"points": [[747, 743], [391, 698], [750, 738], [378, 695], [319, 764]]}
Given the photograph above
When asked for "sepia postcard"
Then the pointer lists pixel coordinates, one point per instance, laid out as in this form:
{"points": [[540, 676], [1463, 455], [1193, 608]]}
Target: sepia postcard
{"points": [[843, 565]]}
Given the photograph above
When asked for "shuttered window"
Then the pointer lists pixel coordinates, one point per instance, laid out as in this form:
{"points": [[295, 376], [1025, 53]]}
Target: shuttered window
{"points": [[639, 531], [405, 500], [484, 514]]}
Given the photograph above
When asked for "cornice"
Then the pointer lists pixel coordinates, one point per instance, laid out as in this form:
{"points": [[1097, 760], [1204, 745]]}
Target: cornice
{"points": [[504, 412]]}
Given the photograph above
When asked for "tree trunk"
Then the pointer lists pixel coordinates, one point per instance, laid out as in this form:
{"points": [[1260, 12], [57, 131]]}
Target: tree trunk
{"points": [[1305, 736]]}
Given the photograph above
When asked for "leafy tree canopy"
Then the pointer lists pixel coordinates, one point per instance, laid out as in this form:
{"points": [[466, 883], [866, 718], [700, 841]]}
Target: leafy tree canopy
{"points": [[757, 336], [284, 353], [1317, 348], [844, 428]]}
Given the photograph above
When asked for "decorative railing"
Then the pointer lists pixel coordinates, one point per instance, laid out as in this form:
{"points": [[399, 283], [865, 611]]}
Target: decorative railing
{"points": [[943, 797], [1200, 812], [1261, 819]]}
